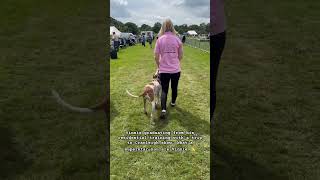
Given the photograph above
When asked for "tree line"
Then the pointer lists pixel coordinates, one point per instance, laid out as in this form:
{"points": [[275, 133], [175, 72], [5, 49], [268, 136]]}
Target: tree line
{"points": [[131, 27]]}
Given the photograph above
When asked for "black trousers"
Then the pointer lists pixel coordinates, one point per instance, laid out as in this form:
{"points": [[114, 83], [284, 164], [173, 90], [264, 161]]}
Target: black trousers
{"points": [[217, 43], [116, 45], [165, 81]]}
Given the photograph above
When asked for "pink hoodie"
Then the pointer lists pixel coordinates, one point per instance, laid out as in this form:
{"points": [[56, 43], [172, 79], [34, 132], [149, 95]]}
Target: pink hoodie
{"points": [[169, 47], [217, 16]]}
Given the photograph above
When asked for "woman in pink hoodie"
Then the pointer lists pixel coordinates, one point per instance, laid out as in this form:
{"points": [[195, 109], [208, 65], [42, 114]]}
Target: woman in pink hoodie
{"points": [[168, 55], [217, 42]]}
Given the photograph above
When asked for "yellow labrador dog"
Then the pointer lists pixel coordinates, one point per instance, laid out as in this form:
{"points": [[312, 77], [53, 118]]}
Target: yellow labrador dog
{"points": [[151, 92]]}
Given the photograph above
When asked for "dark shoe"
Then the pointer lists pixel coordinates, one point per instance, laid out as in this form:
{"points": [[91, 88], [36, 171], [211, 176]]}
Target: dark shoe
{"points": [[163, 114]]}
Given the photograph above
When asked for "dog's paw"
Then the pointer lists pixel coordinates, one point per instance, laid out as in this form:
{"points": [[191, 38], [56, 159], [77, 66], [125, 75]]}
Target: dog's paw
{"points": [[158, 106]]}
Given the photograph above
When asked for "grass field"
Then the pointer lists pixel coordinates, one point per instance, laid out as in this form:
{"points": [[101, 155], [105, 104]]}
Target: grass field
{"points": [[132, 71], [267, 119], [44, 45]]}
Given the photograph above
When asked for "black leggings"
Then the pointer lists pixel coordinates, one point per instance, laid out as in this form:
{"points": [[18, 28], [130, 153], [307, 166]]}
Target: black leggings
{"points": [[165, 80], [217, 43]]}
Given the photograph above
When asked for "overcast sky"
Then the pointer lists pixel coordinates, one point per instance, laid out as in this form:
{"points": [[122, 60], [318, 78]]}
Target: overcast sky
{"points": [[152, 11]]}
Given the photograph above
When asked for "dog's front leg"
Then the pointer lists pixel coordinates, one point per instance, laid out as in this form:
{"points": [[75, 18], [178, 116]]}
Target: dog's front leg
{"points": [[156, 100], [153, 110], [153, 104], [144, 105], [159, 99]]}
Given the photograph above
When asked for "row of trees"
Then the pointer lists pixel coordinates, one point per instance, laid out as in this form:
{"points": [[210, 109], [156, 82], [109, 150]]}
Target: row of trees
{"points": [[203, 28]]}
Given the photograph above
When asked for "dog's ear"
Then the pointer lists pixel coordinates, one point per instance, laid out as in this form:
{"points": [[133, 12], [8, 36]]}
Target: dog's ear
{"points": [[155, 76]]}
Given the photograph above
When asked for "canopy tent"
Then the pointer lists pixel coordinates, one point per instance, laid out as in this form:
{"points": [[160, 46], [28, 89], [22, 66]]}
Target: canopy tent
{"points": [[192, 33], [114, 29]]}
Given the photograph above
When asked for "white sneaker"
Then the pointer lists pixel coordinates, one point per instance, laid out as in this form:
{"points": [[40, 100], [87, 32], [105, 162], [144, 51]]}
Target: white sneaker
{"points": [[163, 114]]}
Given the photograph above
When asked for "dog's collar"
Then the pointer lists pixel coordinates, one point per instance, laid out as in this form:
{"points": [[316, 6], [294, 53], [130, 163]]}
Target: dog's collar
{"points": [[157, 79]]}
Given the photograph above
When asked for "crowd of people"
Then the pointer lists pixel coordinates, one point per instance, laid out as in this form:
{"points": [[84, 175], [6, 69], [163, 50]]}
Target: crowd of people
{"points": [[118, 42]]}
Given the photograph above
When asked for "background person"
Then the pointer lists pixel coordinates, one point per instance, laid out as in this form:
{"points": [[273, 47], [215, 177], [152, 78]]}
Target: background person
{"points": [[168, 55], [115, 39], [143, 40], [150, 39], [217, 42], [183, 39]]}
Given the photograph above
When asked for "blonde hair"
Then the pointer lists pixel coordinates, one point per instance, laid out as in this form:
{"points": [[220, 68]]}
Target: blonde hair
{"points": [[167, 26]]}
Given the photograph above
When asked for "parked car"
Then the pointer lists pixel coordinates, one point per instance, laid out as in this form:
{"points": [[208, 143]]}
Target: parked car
{"points": [[123, 43], [129, 38]]}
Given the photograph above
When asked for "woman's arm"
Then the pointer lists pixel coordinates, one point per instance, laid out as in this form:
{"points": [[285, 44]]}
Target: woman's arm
{"points": [[180, 52], [157, 54], [156, 58]]}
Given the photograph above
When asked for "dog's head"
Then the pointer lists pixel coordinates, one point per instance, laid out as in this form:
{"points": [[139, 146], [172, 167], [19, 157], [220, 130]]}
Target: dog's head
{"points": [[156, 76]]}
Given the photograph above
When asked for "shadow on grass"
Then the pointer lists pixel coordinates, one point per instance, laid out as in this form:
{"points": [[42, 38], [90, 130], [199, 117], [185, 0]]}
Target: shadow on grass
{"points": [[228, 164], [186, 119], [13, 160], [113, 112], [160, 123]]}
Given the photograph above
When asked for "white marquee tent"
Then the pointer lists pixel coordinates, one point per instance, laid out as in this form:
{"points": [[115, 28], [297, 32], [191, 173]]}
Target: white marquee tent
{"points": [[114, 29], [192, 33]]}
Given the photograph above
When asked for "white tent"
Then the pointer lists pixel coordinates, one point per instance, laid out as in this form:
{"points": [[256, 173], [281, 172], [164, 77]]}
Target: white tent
{"points": [[114, 29], [192, 33]]}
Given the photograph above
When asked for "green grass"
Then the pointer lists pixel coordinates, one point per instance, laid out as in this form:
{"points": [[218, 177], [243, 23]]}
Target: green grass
{"points": [[48, 45], [132, 71], [267, 119]]}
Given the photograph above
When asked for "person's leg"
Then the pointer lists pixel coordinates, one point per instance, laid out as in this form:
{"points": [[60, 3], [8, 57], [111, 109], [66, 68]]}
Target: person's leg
{"points": [[117, 45], [217, 43], [164, 79], [174, 86], [114, 45]]}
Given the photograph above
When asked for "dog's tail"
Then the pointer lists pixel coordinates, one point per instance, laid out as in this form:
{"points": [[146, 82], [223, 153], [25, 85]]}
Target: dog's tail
{"points": [[131, 94], [99, 106]]}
